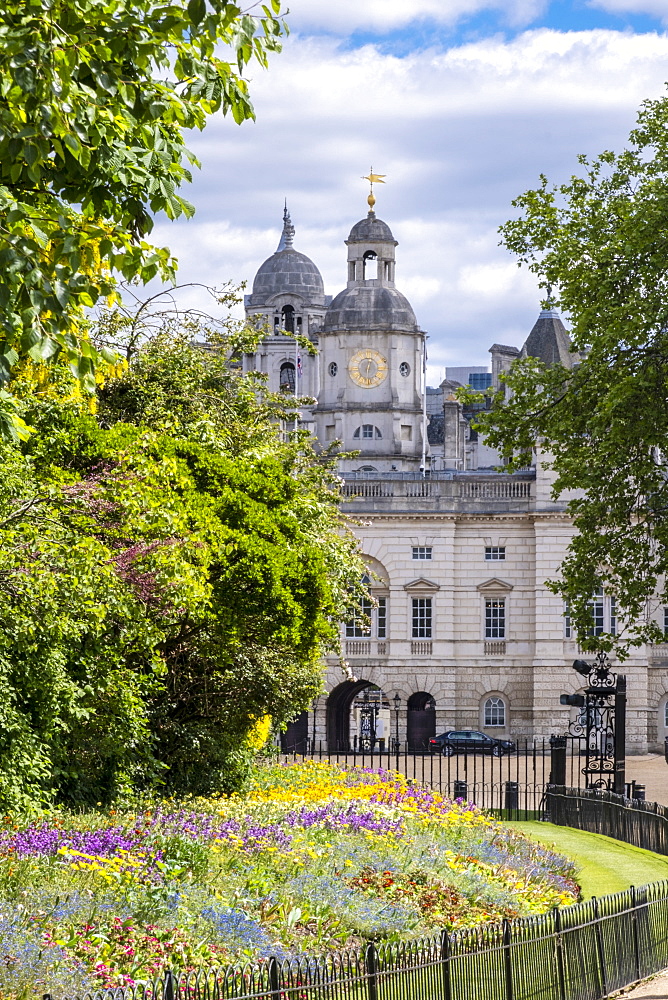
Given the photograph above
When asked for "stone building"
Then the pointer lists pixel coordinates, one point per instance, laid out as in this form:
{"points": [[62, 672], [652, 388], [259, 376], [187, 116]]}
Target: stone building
{"points": [[464, 630]]}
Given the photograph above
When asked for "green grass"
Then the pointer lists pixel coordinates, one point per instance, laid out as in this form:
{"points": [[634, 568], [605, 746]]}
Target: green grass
{"points": [[606, 865]]}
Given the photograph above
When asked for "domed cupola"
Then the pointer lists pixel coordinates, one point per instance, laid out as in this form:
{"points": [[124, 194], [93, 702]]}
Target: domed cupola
{"points": [[287, 273], [371, 301]]}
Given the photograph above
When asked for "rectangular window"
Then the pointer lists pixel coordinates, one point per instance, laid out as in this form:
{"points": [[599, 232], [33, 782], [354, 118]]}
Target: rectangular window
{"points": [[613, 616], [495, 619], [358, 628], [495, 552], [422, 551], [597, 623], [422, 617], [567, 621], [381, 619], [665, 625]]}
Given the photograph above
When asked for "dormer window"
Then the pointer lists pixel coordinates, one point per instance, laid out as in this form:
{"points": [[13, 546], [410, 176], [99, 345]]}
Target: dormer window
{"points": [[370, 265]]}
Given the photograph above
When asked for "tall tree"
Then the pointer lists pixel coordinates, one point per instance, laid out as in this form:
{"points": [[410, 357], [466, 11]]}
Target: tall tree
{"points": [[601, 240], [95, 99]]}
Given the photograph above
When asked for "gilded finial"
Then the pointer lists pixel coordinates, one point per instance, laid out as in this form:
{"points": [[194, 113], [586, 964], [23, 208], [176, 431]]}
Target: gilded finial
{"points": [[373, 179]]}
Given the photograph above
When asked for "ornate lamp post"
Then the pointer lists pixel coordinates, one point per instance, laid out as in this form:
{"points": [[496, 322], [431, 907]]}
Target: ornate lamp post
{"points": [[397, 707], [367, 727], [602, 723]]}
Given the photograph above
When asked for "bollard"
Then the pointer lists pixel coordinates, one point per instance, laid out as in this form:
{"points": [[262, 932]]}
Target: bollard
{"points": [[512, 795], [461, 790], [558, 760], [638, 792]]}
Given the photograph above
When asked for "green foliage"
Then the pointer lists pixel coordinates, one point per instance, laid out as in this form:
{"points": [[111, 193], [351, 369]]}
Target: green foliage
{"points": [[95, 100], [601, 241], [171, 571]]}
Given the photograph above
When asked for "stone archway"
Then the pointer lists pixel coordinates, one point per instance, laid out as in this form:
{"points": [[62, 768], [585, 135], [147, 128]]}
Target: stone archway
{"points": [[421, 721], [295, 737], [339, 703]]}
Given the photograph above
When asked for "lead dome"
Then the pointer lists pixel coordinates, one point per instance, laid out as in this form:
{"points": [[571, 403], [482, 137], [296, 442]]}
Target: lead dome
{"points": [[287, 272], [368, 307]]}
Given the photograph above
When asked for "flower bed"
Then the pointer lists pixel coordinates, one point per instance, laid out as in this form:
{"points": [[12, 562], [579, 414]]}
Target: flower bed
{"points": [[314, 858]]}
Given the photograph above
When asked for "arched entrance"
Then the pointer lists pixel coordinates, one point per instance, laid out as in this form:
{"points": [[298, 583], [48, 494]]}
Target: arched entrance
{"points": [[295, 737], [421, 722], [358, 717]]}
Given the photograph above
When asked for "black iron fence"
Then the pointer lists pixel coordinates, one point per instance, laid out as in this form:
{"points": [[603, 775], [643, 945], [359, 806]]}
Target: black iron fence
{"points": [[582, 952], [512, 784], [643, 824]]}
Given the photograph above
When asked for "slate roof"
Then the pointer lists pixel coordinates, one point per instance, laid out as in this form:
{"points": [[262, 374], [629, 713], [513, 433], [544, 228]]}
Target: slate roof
{"points": [[549, 341]]}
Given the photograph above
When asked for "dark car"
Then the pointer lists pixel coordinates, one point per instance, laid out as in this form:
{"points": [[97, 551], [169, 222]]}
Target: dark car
{"points": [[468, 741]]}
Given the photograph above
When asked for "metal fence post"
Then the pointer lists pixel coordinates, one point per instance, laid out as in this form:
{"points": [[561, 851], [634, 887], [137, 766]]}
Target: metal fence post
{"points": [[636, 942], [447, 971], [599, 950], [371, 962], [557, 760], [168, 986], [274, 981], [559, 953], [507, 960]]}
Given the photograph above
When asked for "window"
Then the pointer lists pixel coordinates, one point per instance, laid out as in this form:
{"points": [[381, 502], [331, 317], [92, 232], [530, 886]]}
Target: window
{"points": [[665, 715], [480, 380], [381, 618], [370, 620], [358, 628], [495, 553], [665, 622], [404, 369], [597, 620], [495, 619], [287, 377], [603, 617], [495, 712], [368, 431], [422, 617], [422, 551], [333, 368]]}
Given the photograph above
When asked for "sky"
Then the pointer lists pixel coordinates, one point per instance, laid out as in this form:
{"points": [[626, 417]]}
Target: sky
{"points": [[462, 104]]}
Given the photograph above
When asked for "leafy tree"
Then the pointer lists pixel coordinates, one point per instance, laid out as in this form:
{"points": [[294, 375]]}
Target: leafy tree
{"points": [[167, 581], [601, 240], [95, 100]]}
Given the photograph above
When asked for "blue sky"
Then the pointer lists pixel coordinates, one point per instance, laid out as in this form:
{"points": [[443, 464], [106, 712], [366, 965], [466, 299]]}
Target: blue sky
{"points": [[462, 103]]}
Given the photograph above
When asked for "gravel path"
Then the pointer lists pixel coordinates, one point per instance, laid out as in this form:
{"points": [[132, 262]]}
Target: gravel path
{"points": [[651, 989]]}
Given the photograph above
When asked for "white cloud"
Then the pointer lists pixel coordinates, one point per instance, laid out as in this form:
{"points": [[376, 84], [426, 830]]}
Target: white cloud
{"points": [[346, 16], [655, 8], [459, 133]]}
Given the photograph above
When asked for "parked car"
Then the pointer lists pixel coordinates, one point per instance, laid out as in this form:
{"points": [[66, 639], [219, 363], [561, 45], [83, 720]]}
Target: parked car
{"points": [[468, 741]]}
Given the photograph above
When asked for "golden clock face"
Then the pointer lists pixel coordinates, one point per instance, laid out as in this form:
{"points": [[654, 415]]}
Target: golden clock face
{"points": [[367, 368]]}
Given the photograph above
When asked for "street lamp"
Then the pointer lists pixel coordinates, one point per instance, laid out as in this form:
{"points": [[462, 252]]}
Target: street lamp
{"points": [[602, 722]]}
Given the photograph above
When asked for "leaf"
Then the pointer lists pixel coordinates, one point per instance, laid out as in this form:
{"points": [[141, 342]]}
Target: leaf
{"points": [[196, 10]]}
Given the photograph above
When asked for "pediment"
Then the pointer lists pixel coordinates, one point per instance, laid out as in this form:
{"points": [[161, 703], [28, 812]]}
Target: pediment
{"points": [[421, 584], [495, 584]]}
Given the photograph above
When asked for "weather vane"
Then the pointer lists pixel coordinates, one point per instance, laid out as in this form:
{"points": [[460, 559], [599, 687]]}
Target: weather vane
{"points": [[373, 179]]}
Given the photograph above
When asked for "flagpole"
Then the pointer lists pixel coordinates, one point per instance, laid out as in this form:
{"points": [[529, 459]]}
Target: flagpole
{"points": [[296, 383], [424, 406]]}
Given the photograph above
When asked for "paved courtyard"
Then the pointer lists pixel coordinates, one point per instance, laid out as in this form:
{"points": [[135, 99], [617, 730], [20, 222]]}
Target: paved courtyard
{"points": [[650, 770]]}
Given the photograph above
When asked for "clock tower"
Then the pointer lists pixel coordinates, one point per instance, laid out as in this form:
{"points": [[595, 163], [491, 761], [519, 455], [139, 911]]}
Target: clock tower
{"points": [[371, 355]]}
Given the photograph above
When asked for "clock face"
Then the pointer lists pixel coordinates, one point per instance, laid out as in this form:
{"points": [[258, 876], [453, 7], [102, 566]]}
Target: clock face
{"points": [[367, 368]]}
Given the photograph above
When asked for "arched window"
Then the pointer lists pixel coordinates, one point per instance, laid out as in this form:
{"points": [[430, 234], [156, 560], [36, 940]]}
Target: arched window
{"points": [[495, 711], [288, 314], [370, 265], [368, 431], [287, 377]]}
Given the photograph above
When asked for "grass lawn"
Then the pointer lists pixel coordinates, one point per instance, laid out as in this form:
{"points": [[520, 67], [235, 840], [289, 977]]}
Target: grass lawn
{"points": [[606, 865]]}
